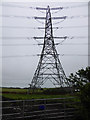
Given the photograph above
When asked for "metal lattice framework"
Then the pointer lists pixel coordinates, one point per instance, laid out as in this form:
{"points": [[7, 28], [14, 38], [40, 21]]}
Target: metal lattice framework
{"points": [[49, 66]]}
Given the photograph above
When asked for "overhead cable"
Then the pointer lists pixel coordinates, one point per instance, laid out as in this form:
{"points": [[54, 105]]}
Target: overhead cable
{"points": [[16, 16], [72, 44], [61, 43], [54, 18], [75, 6], [62, 7], [64, 17], [62, 27], [28, 38], [17, 6], [66, 27], [41, 8], [18, 56], [19, 27]]}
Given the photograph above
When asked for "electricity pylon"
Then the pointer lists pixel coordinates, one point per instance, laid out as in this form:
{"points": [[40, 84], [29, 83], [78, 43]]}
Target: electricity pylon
{"points": [[49, 66]]}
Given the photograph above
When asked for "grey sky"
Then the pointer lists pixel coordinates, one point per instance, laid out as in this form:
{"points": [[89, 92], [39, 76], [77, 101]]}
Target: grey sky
{"points": [[18, 71]]}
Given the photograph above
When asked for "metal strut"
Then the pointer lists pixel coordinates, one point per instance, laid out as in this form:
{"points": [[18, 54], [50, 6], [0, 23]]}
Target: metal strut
{"points": [[49, 66]]}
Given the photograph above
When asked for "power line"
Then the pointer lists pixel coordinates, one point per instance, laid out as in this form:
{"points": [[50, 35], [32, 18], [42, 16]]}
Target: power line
{"points": [[64, 17], [40, 8], [20, 27], [76, 6], [20, 38], [60, 8], [13, 56], [17, 6], [78, 37], [16, 56], [16, 16], [54, 18], [69, 17], [42, 44], [78, 16], [74, 55], [70, 7], [72, 44], [28, 38], [18, 44], [37, 8], [70, 27], [65, 37]]}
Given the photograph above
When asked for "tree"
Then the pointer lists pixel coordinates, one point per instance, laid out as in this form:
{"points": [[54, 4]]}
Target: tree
{"points": [[81, 81], [81, 77]]}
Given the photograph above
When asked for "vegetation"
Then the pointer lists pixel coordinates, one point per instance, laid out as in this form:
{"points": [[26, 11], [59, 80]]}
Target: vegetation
{"points": [[14, 90], [81, 82], [31, 96], [12, 93], [81, 77], [85, 101]]}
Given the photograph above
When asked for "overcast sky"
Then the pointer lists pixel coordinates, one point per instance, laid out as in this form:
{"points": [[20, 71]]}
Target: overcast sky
{"points": [[18, 71]]}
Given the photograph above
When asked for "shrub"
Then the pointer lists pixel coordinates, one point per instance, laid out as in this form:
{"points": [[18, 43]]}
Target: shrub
{"points": [[57, 91]]}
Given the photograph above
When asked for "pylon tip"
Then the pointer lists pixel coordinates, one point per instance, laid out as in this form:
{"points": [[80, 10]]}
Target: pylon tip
{"points": [[48, 6]]}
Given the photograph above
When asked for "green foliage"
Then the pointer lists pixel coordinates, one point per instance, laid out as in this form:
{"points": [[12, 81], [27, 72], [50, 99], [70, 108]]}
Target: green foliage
{"points": [[84, 107], [85, 101], [81, 81], [85, 74], [85, 95], [57, 91], [81, 77]]}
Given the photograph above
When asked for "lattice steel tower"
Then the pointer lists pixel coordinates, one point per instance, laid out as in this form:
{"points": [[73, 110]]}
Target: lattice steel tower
{"points": [[49, 66]]}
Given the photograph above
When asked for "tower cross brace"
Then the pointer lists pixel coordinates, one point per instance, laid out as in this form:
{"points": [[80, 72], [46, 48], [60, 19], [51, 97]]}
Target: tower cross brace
{"points": [[49, 67]]}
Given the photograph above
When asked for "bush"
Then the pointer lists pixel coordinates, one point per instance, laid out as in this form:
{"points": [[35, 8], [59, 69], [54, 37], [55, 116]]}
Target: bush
{"points": [[58, 91], [85, 101], [84, 108]]}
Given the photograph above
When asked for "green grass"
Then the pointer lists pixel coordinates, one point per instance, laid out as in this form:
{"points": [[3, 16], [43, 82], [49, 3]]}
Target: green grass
{"points": [[17, 90], [13, 90], [21, 94], [31, 96]]}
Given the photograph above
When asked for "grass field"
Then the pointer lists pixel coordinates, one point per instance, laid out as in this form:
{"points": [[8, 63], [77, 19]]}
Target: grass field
{"points": [[22, 94], [31, 96], [13, 90], [17, 90]]}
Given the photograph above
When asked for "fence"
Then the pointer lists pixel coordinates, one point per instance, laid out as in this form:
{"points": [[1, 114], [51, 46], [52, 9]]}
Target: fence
{"points": [[39, 109]]}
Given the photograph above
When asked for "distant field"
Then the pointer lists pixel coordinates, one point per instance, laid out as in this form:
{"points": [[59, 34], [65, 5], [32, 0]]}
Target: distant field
{"points": [[13, 90], [22, 94], [17, 90], [31, 96]]}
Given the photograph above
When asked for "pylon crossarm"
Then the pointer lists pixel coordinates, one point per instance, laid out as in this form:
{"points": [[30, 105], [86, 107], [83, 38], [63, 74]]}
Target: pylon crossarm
{"points": [[54, 18]]}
